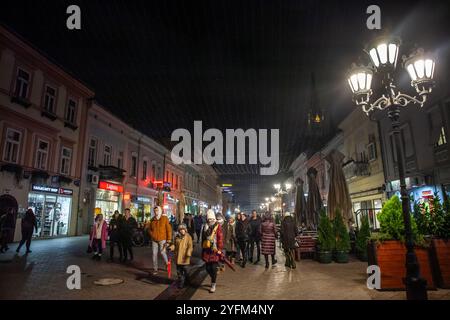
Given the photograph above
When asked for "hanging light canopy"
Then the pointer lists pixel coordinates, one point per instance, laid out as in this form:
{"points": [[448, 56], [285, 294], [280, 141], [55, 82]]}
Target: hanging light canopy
{"points": [[384, 52]]}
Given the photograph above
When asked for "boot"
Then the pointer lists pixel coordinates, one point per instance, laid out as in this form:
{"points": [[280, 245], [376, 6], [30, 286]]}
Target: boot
{"points": [[274, 261]]}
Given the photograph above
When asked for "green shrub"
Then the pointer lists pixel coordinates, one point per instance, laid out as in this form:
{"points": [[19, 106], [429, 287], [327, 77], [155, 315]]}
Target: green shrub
{"points": [[392, 225], [325, 231], [363, 235], [341, 236]]}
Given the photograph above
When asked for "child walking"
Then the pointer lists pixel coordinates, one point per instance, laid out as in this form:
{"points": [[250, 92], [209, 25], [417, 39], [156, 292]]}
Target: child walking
{"points": [[182, 249]]}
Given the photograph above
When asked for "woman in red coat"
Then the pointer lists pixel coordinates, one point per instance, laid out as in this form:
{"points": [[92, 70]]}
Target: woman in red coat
{"points": [[212, 245], [269, 235]]}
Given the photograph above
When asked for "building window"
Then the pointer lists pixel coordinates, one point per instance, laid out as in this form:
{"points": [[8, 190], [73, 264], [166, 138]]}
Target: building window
{"points": [[175, 182], [120, 160], [179, 182], [71, 111], [66, 158], [107, 155], [159, 173], [172, 181], [144, 170], [41, 155], [12, 146], [154, 171], [49, 99], [92, 154], [22, 83], [372, 151], [133, 166], [442, 139], [167, 176]]}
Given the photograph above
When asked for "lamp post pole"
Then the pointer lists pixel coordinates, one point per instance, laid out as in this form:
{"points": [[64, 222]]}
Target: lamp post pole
{"points": [[420, 66], [415, 284]]}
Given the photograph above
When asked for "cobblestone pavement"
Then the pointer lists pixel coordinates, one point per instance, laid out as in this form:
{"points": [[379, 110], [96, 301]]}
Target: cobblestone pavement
{"points": [[309, 281], [42, 275]]}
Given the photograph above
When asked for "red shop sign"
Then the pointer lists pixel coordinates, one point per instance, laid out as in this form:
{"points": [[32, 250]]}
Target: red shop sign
{"points": [[110, 186]]}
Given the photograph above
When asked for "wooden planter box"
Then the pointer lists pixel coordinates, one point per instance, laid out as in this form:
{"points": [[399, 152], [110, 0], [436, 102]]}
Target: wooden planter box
{"points": [[390, 257], [440, 258]]}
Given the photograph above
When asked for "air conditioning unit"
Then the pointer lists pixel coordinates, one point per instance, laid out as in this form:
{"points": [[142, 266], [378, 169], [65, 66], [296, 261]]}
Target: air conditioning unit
{"points": [[93, 178]]}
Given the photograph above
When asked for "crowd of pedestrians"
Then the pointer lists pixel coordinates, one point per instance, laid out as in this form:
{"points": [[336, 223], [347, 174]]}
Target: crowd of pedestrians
{"points": [[237, 239]]}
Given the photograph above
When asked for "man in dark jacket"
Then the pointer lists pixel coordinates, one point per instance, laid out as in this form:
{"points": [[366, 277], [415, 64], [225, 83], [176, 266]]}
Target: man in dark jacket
{"points": [[242, 236], [128, 227], [198, 223], [288, 234], [7, 224], [255, 236]]}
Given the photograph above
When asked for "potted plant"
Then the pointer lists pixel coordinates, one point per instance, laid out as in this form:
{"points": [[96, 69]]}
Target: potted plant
{"points": [[362, 239], [342, 239], [437, 219], [388, 248], [325, 239]]}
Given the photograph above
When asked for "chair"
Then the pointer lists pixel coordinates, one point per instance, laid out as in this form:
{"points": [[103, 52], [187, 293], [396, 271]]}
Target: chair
{"points": [[306, 244]]}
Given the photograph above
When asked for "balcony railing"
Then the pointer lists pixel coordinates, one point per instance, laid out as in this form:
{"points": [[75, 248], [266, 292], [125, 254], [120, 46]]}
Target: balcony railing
{"points": [[353, 169]]}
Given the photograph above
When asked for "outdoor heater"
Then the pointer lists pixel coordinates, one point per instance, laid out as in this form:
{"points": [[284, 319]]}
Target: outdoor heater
{"points": [[383, 53]]}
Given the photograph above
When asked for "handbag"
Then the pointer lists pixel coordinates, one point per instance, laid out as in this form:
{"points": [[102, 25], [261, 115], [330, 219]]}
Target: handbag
{"points": [[208, 243]]}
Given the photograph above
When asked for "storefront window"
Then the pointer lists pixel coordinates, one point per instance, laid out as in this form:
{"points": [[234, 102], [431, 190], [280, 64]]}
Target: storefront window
{"points": [[108, 202], [52, 214]]}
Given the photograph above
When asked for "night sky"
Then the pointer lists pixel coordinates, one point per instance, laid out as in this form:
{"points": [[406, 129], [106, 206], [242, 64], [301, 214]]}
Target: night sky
{"points": [[160, 65]]}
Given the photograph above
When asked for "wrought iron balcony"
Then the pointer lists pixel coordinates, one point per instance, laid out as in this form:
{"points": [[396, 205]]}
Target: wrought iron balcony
{"points": [[353, 169]]}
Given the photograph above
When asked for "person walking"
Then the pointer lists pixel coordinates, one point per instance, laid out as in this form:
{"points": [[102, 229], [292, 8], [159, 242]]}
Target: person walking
{"points": [[129, 225], [255, 237], [212, 246], [242, 236], [182, 248], [268, 239], [288, 234], [198, 223], [161, 234], [99, 234], [229, 236], [6, 228], [115, 225], [28, 224]]}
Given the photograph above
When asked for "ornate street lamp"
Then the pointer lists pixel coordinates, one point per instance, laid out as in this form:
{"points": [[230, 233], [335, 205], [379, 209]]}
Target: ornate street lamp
{"points": [[383, 53]]}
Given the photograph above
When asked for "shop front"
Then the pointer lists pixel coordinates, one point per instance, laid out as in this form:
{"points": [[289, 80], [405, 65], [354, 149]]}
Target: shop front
{"points": [[170, 206], [423, 194], [141, 208], [108, 198], [191, 206], [52, 207]]}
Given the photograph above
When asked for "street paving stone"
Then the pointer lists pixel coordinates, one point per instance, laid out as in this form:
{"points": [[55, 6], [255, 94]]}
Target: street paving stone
{"points": [[42, 275], [309, 281]]}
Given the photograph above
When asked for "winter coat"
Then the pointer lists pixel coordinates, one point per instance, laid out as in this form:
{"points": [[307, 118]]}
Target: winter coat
{"points": [[29, 223], [229, 236], [7, 222], [160, 229], [104, 234], [269, 235], [242, 230], [255, 228], [198, 222], [114, 229], [182, 249], [210, 254], [288, 233]]}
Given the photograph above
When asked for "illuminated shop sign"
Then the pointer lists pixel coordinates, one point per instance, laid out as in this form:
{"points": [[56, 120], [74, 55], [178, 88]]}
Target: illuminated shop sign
{"points": [[142, 199], [110, 186], [48, 189]]}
